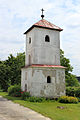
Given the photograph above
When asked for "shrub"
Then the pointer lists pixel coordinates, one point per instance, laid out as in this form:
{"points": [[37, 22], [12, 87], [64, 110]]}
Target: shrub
{"points": [[14, 91], [78, 99], [71, 80], [73, 91], [72, 100], [66, 99], [77, 92], [25, 95], [70, 91], [36, 99], [63, 99]]}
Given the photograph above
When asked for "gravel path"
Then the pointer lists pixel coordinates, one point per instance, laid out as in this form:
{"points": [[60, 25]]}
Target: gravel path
{"points": [[13, 111]]}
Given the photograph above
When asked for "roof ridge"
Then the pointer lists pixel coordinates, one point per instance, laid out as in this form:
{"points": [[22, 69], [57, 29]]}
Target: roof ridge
{"points": [[51, 24]]}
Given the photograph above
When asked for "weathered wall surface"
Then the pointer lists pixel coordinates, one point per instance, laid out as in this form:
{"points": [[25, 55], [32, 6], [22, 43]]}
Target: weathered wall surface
{"points": [[42, 52], [29, 48], [37, 81]]}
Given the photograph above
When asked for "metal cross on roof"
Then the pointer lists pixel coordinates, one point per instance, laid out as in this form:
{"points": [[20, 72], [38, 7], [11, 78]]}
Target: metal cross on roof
{"points": [[42, 13]]}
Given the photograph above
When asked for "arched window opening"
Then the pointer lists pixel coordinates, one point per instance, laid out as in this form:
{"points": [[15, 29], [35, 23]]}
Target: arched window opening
{"points": [[25, 75], [29, 60], [25, 87], [29, 40], [48, 79], [47, 39]]}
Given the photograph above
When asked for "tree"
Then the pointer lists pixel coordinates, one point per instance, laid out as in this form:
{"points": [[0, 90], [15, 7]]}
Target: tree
{"points": [[10, 70], [15, 64], [65, 62], [71, 79], [4, 81]]}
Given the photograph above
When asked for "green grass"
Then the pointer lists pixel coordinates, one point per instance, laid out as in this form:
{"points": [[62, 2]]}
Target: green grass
{"points": [[49, 109]]}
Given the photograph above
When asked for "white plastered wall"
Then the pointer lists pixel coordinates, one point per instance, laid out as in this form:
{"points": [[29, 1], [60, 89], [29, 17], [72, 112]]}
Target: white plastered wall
{"points": [[43, 52], [37, 82]]}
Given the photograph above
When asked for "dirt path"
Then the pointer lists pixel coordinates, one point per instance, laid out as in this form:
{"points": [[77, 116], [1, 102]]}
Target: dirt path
{"points": [[13, 111]]}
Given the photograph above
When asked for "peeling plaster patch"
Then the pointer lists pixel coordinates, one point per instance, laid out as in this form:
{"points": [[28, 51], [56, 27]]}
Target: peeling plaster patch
{"points": [[42, 92], [60, 88], [51, 73], [33, 71], [44, 87], [61, 76]]}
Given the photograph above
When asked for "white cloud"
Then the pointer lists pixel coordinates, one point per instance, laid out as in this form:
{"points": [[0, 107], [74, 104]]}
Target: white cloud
{"points": [[17, 15]]}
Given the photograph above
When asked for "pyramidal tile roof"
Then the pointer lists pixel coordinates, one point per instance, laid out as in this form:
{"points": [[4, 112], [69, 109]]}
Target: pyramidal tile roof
{"points": [[44, 24]]}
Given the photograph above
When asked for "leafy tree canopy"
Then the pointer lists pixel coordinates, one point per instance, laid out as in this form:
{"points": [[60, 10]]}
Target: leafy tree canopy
{"points": [[65, 62], [10, 70], [71, 79]]}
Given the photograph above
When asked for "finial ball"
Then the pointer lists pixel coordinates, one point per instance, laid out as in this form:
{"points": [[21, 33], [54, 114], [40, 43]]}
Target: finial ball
{"points": [[42, 13]]}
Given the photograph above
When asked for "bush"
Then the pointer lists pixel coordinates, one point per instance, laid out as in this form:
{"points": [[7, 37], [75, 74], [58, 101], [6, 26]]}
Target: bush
{"points": [[78, 99], [73, 91], [71, 80], [72, 100], [70, 91], [14, 91], [36, 99], [66, 99], [25, 95], [63, 99], [77, 92]]}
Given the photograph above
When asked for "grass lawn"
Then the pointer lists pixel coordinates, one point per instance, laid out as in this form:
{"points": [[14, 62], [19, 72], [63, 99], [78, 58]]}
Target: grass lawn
{"points": [[49, 109]]}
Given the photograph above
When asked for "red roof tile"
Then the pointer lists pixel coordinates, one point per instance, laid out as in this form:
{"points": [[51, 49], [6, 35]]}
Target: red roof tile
{"points": [[39, 65], [44, 24]]}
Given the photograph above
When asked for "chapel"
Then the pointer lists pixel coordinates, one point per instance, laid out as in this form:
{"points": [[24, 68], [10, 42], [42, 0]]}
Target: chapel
{"points": [[42, 75]]}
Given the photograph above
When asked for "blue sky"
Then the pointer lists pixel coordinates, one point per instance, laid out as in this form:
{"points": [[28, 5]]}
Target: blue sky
{"points": [[16, 16]]}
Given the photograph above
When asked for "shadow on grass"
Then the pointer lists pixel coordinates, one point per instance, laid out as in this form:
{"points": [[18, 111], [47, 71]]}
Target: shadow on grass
{"points": [[5, 95], [12, 98]]}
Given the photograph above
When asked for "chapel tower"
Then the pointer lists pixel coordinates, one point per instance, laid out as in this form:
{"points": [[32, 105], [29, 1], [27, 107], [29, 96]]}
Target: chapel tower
{"points": [[42, 75]]}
